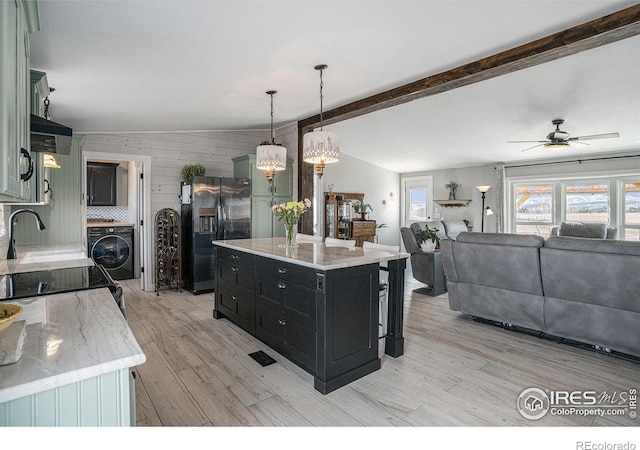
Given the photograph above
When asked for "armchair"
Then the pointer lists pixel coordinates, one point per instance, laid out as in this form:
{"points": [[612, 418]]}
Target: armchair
{"points": [[425, 266], [584, 229]]}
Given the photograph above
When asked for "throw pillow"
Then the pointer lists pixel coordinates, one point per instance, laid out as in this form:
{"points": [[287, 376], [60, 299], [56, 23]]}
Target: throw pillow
{"points": [[585, 230]]}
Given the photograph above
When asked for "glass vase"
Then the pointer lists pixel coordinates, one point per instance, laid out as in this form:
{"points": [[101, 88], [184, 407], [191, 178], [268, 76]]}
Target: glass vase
{"points": [[290, 230]]}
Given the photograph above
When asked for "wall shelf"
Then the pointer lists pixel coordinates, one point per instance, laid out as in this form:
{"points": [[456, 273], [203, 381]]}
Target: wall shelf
{"points": [[453, 203]]}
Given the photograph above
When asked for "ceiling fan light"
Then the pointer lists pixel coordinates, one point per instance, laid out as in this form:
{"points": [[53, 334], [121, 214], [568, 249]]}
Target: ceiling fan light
{"points": [[556, 145]]}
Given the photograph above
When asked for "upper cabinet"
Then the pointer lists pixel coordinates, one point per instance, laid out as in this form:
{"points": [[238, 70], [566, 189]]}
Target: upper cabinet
{"points": [[264, 196], [18, 19], [101, 184]]}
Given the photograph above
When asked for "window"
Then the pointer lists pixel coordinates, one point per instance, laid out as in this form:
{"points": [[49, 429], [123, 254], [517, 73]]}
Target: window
{"points": [[418, 199], [631, 219], [534, 209], [418, 204], [534, 206], [587, 203]]}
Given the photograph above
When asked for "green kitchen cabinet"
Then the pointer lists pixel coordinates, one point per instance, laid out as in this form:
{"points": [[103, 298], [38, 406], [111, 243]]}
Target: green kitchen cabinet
{"points": [[263, 222], [18, 19], [282, 186], [265, 196]]}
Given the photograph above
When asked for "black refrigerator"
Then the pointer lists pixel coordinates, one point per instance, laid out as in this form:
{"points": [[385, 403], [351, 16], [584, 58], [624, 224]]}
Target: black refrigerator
{"points": [[212, 209]]}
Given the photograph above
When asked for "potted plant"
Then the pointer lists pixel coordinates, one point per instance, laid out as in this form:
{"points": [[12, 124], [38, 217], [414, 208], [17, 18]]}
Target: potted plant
{"points": [[192, 170], [453, 188], [428, 238]]}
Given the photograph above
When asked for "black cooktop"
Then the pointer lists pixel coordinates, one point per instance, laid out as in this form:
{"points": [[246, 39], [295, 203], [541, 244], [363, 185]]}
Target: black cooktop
{"points": [[44, 282]]}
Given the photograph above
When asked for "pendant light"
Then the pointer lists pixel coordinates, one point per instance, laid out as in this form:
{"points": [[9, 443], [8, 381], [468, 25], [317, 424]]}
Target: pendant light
{"points": [[320, 147], [269, 155], [50, 161]]}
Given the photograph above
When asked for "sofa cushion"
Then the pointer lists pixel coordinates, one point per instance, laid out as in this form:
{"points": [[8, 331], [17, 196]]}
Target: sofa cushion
{"points": [[590, 245], [454, 227], [583, 229], [521, 240], [498, 260]]}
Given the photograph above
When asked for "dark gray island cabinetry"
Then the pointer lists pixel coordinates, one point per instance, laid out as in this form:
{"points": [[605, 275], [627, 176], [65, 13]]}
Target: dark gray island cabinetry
{"points": [[313, 304]]}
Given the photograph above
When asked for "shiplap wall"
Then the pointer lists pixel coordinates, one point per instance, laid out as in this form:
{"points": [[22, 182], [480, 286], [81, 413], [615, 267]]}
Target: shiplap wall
{"points": [[169, 152]]}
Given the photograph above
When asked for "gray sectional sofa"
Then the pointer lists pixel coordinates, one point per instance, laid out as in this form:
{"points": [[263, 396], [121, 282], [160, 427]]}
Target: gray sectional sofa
{"points": [[580, 289]]}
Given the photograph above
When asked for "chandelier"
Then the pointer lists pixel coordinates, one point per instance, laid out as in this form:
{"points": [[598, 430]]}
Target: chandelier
{"points": [[320, 147], [269, 155]]}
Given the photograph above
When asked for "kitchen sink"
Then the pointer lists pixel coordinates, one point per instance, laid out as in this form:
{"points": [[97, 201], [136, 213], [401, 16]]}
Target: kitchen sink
{"points": [[41, 257]]}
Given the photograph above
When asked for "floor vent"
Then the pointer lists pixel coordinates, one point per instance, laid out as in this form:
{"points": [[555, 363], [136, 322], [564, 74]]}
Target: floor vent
{"points": [[262, 358]]}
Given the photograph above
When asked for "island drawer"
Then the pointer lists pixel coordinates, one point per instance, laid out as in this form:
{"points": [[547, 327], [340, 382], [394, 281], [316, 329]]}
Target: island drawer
{"points": [[303, 276], [238, 308], [237, 275], [235, 257], [287, 296]]}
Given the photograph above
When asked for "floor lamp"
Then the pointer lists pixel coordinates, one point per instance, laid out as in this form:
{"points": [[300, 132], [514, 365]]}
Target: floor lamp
{"points": [[484, 190]]}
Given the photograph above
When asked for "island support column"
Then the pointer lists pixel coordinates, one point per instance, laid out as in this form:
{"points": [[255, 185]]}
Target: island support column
{"points": [[394, 340]]}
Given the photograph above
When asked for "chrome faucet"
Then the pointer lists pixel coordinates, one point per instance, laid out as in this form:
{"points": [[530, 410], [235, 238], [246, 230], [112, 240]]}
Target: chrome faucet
{"points": [[11, 253]]}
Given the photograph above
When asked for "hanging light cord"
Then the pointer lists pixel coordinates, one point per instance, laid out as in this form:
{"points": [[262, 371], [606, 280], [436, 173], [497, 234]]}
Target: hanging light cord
{"points": [[321, 85], [273, 139]]}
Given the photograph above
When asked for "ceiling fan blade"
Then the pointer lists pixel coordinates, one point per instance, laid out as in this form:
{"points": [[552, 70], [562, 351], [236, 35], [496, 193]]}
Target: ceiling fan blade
{"points": [[524, 142], [595, 136], [578, 142], [529, 148]]}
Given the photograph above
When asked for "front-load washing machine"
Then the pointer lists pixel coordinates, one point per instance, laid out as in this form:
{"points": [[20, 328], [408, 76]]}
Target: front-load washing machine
{"points": [[112, 248]]}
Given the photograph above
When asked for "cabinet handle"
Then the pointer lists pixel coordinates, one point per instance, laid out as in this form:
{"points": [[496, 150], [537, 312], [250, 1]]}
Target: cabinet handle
{"points": [[27, 175], [282, 322], [281, 285], [235, 257], [234, 298], [282, 270], [234, 269]]}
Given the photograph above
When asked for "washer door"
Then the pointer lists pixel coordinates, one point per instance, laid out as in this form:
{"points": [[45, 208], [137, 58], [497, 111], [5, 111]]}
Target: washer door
{"points": [[111, 251]]}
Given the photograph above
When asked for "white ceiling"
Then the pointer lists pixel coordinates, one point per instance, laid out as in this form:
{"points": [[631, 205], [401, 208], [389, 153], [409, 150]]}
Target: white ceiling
{"points": [[184, 65]]}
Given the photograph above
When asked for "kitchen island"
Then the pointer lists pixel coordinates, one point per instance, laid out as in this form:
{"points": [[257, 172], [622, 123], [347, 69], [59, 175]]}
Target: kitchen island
{"points": [[317, 305], [74, 370]]}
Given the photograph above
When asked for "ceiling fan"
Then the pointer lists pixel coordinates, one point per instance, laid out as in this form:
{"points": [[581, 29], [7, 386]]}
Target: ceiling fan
{"points": [[560, 139]]}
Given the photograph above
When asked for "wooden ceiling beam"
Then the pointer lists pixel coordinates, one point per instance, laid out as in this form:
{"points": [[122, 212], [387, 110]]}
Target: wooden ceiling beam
{"points": [[605, 30]]}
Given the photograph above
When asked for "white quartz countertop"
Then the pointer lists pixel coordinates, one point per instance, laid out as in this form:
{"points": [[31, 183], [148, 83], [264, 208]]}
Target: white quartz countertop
{"points": [[46, 257], [70, 337], [311, 254]]}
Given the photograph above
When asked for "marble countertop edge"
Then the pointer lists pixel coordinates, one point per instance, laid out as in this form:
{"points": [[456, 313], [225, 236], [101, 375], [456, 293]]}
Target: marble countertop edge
{"points": [[316, 255]]}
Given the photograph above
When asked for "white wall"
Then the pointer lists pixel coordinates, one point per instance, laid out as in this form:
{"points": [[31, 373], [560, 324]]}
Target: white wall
{"points": [[376, 183], [468, 178]]}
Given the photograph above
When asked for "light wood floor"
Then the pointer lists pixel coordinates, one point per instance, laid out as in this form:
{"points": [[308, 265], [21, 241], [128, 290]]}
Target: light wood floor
{"points": [[455, 372]]}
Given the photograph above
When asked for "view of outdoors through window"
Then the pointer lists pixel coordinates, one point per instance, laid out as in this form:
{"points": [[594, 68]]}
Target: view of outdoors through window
{"points": [[418, 204], [534, 209], [587, 203], [632, 211]]}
